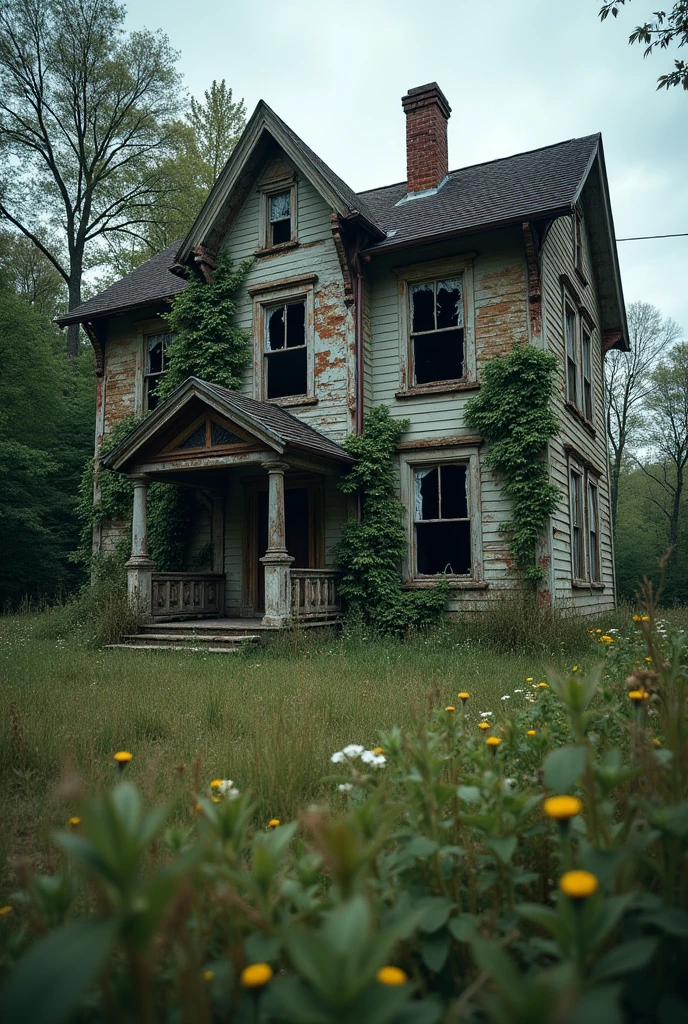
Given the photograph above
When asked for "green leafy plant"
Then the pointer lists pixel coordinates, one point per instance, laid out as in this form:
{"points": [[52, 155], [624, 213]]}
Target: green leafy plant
{"points": [[513, 413], [369, 552]]}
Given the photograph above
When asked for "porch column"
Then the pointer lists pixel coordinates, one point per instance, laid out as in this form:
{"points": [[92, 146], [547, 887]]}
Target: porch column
{"points": [[276, 560], [140, 567]]}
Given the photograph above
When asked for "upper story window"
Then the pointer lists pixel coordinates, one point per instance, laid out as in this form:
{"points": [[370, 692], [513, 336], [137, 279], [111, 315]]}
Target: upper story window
{"points": [[570, 330], [586, 370], [579, 355], [157, 346], [437, 330], [280, 218], [285, 370]]}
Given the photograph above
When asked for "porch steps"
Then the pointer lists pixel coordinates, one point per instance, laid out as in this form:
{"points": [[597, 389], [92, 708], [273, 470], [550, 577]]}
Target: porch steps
{"points": [[225, 649], [191, 638]]}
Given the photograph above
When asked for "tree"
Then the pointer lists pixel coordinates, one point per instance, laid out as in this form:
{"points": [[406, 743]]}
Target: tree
{"points": [[25, 270], [628, 382], [217, 124], [85, 118], [662, 32], [667, 423]]}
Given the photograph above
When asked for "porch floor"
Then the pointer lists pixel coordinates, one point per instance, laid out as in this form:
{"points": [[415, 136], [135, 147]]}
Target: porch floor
{"points": [[226, 626]]}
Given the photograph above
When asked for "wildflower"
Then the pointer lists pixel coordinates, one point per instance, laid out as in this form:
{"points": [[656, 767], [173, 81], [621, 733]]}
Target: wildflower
{"points": [[208, 975], [578, 885], [543, 686], [463, 696], [370, 757], [391, 976], [450, 708], [638, 695], [122, 757], [484, 725], [648, 659], [274, 822], [338, 757], [598, 630], [531, 732], [637, 618], [644, 618], [575, 668], [256, 975], [493, 742], [215, 800], [378, 750], [529, 679], [216, 783], [506, 697], [345, 787], [74, 822], [606, 639], [6, 910], [353, 750], [656, 742], [561, 808], [486, 714]]}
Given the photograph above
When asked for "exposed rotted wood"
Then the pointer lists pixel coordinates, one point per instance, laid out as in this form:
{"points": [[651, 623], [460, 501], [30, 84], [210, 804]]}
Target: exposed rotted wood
{"points": [[96, 335], [612, 339], [347, 275], [205, 261], [297, 281], [460, 440]]}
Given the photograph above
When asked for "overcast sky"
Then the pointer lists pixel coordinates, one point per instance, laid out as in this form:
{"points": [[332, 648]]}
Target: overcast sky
{"points": [[518, 74]]}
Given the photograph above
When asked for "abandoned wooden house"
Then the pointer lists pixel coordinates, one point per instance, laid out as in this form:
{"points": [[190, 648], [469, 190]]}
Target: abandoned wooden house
{"points": [[394, 296]]}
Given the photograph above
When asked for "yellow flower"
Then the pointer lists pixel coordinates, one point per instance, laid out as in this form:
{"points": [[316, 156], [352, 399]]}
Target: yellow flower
{"points": [[606, 639], [578, 884], [637, 618], [216, 783], [450, 707], [484, 725], [208, 975], [529, 679], [391, 976], [198, 808], [575, 668], [531, 732], [4, 911], [598, 630], [493, 742], [122, 757], [463, 695], [648, 659], [543, 686], [644, 618], [378, 750], [561, 808], [638, 695], [74, 822], [273, 823], [215, 800], [656, 742], [256, 975]]}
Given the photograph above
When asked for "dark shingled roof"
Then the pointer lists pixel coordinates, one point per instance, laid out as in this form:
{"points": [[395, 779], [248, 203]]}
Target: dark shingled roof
{"points": [[514, 188], [287, 428], [528, 185], [150, 282]]}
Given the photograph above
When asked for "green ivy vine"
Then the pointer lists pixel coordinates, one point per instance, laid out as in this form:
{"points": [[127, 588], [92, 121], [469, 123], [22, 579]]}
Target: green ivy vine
{"points": [[208, 345], [513, 413], [369, 551]]}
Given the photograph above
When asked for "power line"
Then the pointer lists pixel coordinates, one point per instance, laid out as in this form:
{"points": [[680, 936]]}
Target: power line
{"points": [[641, 238]]}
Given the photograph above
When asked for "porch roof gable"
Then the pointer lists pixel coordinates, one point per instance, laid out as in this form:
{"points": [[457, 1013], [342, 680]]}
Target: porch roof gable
{"points": [[276, 428]]}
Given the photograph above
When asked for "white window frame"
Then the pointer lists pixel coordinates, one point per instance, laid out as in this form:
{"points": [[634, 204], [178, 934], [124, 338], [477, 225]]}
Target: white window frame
{"points": [[267, 191], [266, 300], [589, 482], [421, 273], [424, 459]]}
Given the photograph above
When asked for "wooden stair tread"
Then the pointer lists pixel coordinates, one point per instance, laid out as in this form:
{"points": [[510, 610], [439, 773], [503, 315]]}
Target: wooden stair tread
{"points": [[225, 649]]}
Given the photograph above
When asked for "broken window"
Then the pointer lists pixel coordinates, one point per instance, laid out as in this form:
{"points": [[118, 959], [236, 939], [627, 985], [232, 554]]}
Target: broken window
{"points": [[437, 331], [156, 365], [571, 368], [577, 551], [593, 531], [286, 358], [586, 366], [279, 207], [442, 520]]}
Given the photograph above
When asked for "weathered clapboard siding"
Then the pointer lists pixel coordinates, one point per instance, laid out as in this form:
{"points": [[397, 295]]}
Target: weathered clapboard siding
{"points": [[557, 260], [333, 341], [499, 299]]}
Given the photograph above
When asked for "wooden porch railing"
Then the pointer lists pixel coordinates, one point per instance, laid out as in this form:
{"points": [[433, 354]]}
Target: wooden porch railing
{"points": [[188, 593], [314, 593]]}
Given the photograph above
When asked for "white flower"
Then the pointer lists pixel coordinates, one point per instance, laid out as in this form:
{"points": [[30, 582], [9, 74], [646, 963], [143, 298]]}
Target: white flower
{"points": [[232, 793], [353, 750], [518, 691], [224, 787], [486, 714], [377, 760], [345, 787], [506, 697], [508, 785], [338, 757]]}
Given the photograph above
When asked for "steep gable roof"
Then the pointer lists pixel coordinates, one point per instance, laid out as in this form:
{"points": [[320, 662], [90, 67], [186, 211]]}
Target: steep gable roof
{"points": [[150, 282]]}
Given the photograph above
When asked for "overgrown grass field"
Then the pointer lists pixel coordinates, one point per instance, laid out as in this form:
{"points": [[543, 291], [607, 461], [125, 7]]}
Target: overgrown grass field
{"points": [[268, 717]]}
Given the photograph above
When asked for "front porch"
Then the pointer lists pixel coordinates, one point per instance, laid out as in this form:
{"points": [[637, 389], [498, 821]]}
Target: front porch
{"points": [[268, 482]]}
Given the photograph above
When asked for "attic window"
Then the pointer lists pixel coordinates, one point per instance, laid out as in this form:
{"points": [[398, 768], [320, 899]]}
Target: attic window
{"points": [[279, 207], [442, 520], [286, 358], [437, 330]]}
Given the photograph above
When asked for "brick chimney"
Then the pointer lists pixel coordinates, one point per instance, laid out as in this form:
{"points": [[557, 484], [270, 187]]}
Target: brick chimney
{"points": [[427, 113]]}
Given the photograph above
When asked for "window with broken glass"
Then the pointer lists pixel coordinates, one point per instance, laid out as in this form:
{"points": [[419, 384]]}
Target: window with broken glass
{"points": [[442, 522], [157, 347], [286, 352], [280, 219], [437, 331]]}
